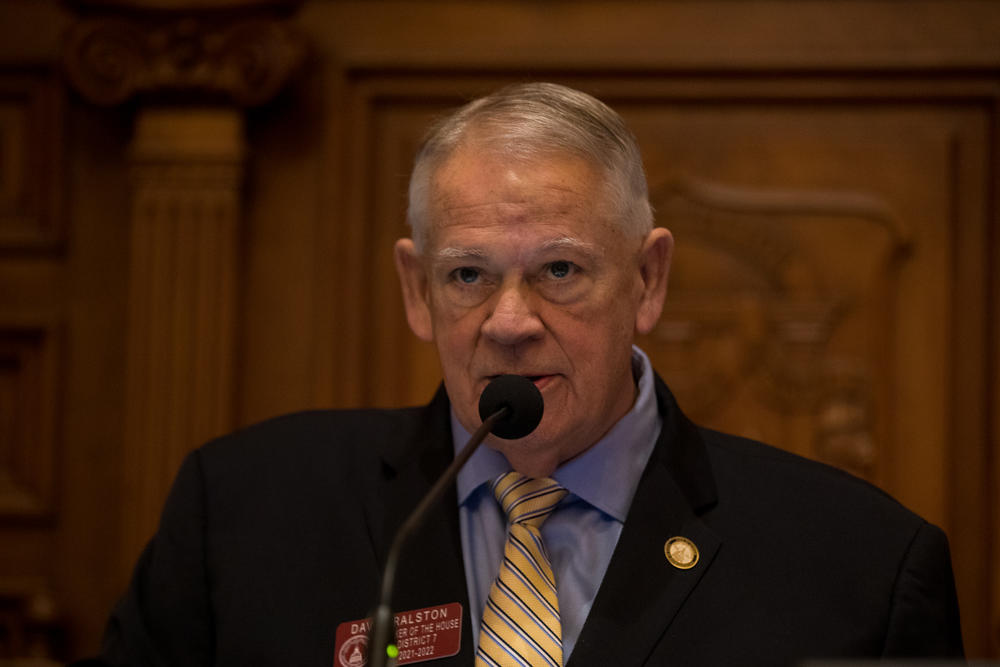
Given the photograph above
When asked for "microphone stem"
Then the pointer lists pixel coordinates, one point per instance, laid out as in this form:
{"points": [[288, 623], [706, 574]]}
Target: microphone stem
{"points": [[382, 621]]}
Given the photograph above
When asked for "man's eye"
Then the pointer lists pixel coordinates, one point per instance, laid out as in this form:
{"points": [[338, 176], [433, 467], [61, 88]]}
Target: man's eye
{"points": [[560, 269], [466, 275]]}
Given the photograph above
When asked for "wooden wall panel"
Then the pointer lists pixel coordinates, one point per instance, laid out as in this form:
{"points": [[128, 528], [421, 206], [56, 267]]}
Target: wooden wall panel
{"points": [[78, 557], [830, 217], [30, 165], [32, 345], [29, 389], [828, 292]]}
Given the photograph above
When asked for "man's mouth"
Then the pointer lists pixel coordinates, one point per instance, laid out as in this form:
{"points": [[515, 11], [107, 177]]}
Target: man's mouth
{"points": [[538, 380]]}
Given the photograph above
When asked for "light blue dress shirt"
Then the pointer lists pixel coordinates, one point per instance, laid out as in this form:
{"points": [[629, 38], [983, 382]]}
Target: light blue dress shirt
{"points": [[582, 532]]}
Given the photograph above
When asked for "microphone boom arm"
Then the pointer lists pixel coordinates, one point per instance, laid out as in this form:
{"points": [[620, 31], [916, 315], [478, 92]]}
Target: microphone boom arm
{"points": [[382, 620]]}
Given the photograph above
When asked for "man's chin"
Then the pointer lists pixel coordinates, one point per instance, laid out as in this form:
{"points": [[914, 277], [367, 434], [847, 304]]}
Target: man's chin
{"points": [[538, 444], [528, 455]]}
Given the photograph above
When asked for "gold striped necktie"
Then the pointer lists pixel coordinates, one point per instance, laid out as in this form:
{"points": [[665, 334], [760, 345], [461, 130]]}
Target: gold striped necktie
{"points": [[521, 619]]}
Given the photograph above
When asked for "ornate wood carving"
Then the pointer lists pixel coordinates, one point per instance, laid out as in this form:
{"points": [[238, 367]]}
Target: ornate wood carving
{"points": [[245, 61], [28, 381], [30, 144], [752, 315]]}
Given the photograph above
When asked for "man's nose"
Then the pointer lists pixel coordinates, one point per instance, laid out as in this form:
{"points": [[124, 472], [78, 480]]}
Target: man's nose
{"points": [[513, 319]]}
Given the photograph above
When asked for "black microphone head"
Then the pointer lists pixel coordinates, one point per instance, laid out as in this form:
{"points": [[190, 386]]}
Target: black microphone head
{"points": [[522, 397]]}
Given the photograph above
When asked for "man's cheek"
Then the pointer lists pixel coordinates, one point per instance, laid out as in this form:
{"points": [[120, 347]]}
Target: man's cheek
{"points": [[451, 313], [579, 317]]}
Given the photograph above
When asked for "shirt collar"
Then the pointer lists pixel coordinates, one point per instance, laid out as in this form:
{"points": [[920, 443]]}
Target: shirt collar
{"points": [[605, 475]]}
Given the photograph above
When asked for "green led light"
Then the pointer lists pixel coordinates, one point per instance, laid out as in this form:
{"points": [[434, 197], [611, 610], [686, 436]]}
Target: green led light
{"points": [[392, 651]]}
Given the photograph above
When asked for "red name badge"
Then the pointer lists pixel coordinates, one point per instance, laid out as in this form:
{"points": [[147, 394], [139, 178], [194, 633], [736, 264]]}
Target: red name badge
{"points": [[422, 634]]}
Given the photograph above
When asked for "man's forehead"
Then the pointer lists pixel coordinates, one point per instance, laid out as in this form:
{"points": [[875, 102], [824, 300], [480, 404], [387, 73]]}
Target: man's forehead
{"points": [[548, 203], [514, 195], [451, 180]]}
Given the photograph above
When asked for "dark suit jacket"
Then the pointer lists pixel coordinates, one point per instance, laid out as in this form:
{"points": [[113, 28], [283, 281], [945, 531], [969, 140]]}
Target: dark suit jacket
{"points": [[273, 536]]}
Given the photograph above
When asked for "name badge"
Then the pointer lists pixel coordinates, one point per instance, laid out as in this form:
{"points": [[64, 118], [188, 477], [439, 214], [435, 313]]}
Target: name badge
{"points": [[422, 634]]}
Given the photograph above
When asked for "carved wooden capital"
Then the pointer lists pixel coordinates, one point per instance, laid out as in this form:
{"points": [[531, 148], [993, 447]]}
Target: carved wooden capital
{"points": [[245, 59]]}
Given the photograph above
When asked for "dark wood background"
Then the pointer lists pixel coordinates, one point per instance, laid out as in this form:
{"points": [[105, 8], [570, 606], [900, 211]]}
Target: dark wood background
{"points": [[198, 202]]}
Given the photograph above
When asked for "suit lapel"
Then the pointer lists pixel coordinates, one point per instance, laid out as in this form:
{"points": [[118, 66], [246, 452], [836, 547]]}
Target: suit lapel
{"points": [[431, 570], [642, 592]]}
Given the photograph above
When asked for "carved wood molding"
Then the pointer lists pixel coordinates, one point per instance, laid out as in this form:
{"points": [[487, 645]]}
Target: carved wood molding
{"points": [[787, 202], [30, 150], [176, 5], [239, 57], [28, 372]]}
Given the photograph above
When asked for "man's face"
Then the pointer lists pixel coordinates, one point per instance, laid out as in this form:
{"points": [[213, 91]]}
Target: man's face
{"points": [[526, 272]]}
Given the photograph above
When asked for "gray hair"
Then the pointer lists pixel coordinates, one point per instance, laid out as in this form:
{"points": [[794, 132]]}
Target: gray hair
{"points": [[532, 120]]}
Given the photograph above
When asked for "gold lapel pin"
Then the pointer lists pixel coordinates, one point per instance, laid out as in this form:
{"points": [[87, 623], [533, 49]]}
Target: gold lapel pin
{"points": [[681, 553]]}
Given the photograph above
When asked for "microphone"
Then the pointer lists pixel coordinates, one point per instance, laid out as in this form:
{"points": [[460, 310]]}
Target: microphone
{"points": [[511, 407], [521, 397]]}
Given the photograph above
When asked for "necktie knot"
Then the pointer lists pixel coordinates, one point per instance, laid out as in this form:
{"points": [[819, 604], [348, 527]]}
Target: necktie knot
{"points": [[527, 501]]}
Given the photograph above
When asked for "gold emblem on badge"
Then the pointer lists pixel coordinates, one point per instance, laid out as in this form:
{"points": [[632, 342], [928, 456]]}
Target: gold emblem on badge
{"points": [[681, 553]]}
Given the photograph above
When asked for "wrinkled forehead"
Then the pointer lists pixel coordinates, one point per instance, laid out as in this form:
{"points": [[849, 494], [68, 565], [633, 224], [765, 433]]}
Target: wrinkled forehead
{"points": [[480, 184]]}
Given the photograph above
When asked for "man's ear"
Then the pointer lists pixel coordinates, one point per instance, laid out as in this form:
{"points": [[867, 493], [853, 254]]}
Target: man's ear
{"points": [[654, 269], [413, 281]]}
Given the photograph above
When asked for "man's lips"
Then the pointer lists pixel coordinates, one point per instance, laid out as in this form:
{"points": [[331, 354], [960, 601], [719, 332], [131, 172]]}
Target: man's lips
{"points": [[540, 380]]}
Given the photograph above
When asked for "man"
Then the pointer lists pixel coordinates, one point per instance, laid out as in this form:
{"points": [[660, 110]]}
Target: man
{"points": [[650, 541]]}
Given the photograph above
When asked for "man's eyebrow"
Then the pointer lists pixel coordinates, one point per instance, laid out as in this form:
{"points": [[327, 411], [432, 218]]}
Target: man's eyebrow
{"points": [[450, 254], [568, 243], [458, 253]]}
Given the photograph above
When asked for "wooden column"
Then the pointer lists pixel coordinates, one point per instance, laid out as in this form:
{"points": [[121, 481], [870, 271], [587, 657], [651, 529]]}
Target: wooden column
{"points": [[187, 166], [191, 69]]}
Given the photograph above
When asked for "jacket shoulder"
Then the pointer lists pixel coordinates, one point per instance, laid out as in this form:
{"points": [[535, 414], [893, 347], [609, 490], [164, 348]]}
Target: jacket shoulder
{"points": [[312, 427], [784, 483], [306, 444]]}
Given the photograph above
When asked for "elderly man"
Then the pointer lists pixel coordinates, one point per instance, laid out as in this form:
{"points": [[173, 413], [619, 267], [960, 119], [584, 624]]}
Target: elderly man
{"points": [[616, 533]]}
